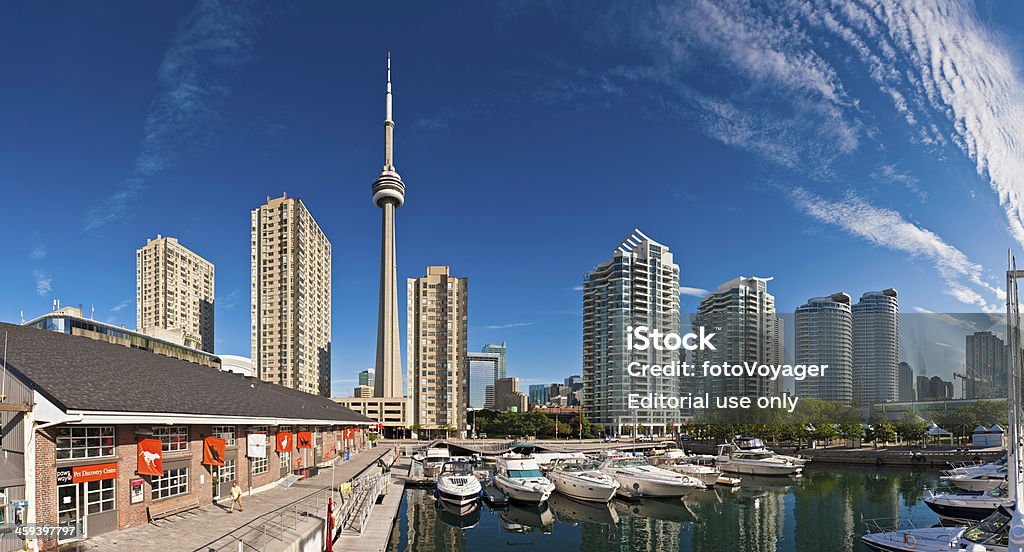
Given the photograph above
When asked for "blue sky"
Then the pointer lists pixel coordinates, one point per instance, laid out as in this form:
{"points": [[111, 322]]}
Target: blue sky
{"points": [[833, 145]]}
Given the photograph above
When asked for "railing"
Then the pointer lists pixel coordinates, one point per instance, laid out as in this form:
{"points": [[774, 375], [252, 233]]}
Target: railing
{"points": [[270, 528], [357, 502]]}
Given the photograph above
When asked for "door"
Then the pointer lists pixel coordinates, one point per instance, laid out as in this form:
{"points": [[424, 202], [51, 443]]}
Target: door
{"points": [[223, 476], [69, 510]]}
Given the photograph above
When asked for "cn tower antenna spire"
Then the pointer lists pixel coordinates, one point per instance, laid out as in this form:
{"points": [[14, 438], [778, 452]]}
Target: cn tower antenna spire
{"points": [[388, 118]]}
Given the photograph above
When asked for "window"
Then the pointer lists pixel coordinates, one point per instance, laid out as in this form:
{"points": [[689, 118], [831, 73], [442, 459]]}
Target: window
{"points": [[226, 472], [259, 465], [99, 496], [85, 442], [225, 432], [174, 438], [171, 483], [286, 458]]}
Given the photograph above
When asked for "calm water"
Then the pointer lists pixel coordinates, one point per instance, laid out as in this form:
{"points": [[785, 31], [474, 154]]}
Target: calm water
{"points": [[821, 511]]}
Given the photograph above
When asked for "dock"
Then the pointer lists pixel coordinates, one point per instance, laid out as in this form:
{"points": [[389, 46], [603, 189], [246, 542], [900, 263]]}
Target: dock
{"points": [[380, 525]]}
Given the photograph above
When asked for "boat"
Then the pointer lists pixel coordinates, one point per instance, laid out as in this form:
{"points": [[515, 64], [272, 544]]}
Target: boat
{"points": [[753, 444], [638, 478], [731, 459], [571, 511], [977, 467], [433, 459], [520, 478], [457, 485], [967, 506], [678, 461], [582, 479], [988, 535], [978, 481]]}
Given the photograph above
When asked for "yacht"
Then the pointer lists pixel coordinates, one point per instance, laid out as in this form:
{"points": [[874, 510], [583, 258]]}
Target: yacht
{"points": [[977, 481], [967, 506], [753, 444], [638, 478], [677, 461], [977, 467], [582, 479], [521, 479], [433, 459], [457, 485], [989, 535], [731, 459]]}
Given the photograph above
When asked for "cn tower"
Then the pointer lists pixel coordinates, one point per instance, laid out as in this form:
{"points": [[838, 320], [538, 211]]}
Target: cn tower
{"points": [[389, 195]]}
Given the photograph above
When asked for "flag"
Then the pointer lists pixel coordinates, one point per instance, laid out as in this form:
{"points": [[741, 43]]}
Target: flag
{"points": [[151, 457], [305, 440], [213, 451], [284, 442]]}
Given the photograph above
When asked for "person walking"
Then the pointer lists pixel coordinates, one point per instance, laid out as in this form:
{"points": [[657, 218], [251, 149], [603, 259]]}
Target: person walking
{"points": [[236, 497]]}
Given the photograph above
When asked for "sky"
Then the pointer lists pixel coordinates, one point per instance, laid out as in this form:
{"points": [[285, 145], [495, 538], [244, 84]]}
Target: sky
{"points": [[833, 145]]}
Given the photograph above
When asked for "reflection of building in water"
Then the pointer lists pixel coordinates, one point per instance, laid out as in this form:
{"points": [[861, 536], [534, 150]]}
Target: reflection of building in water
{"points": [[823, 513], [643, 533], [426, 533], [748, 520]]}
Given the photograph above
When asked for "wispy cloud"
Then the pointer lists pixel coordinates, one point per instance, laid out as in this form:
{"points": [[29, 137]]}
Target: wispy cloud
{"points": [[577, 288], [892, 173], [692, 291], [507, 326], [964, 279], [44, 283], [38, 252], [208, 46], [229, 301], [121, 306]]}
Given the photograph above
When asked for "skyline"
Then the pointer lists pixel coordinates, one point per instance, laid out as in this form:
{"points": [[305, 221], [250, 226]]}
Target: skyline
{"points": [[556, 150]]}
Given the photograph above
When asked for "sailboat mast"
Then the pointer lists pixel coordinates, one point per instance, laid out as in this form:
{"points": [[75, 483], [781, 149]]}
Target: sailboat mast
{"points": [[1016, 533]]}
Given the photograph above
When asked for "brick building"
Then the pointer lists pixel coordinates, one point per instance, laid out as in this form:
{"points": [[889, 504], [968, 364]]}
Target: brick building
{"points": [[91, 405]]}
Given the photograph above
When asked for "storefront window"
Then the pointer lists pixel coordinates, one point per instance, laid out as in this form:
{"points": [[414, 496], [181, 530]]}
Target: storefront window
{"points": [[100, 496], [226, 472], [85, 442], [174, 438], [171, 483], [225, 432]]}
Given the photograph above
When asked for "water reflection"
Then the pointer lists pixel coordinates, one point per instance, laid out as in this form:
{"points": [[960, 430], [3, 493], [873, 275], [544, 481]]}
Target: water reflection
{"points": [[820, 511]]}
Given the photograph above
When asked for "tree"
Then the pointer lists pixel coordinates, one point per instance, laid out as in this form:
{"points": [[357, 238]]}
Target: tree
{"points": [[599, 429], [415, 428], [884, 433]]}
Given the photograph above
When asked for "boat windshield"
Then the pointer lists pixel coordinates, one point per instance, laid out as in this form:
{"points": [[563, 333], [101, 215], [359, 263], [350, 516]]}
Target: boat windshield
{"points": [[629, 463], [756, 455], [999, 492], [524, 474], [995, 529], [458, 468]]}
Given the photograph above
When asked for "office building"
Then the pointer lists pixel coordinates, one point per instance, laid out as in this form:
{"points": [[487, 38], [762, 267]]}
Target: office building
{"points": [[638, 286], [876, 348], [362, 392], [291, 297], [507, 397], [742, 314], [538, 395], [908, 385], [437, 327], [366, 377], [500, 349], [174, 292], [824, 336], [985, 366], [483, 372]]}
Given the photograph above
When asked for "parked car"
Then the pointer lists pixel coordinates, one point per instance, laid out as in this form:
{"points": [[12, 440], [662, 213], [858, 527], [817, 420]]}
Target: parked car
{"points": [[610, 439], [644, 439]]}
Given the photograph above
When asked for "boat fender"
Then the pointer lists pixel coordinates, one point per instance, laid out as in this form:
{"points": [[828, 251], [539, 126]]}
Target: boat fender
{"points": [[879, 461]]}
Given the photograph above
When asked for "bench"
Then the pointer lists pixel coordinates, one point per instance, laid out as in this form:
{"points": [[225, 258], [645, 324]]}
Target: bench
{"points": [[161, 510]]}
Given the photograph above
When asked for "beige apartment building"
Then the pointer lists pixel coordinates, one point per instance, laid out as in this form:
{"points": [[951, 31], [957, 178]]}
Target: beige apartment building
{"points": [[291, 297], [436, 339], [174, 293]]}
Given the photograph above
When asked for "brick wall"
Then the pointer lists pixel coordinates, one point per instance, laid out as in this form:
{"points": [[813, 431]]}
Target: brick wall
{"points": [[46, 482]]}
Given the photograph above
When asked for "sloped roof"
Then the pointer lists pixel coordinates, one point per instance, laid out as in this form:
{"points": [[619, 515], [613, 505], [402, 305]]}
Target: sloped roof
{"points": [[78, 373]]}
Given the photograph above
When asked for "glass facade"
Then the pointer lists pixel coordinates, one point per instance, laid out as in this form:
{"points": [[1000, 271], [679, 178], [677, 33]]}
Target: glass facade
{"points": [[483, 370]]}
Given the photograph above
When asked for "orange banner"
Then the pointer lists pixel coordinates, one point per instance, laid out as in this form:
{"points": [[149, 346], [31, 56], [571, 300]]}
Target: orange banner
{"points": [[284, 442], [213, 451], [151, 457], [305, 440]]}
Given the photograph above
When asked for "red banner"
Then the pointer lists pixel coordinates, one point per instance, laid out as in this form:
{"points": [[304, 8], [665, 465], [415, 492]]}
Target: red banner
{"points": [[305, 440], [213, 451], [92, 472], [284, 442], [151, 457]]}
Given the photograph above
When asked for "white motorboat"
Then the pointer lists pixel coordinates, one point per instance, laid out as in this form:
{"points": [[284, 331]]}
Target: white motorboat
{"points": [[979, 481], [677, 461], [638, 478], [967, 506], [582, 479], [731, 459], [457, 485], [520, 478], [753, 444], [433, 460], [977, 467], [988, 535]]}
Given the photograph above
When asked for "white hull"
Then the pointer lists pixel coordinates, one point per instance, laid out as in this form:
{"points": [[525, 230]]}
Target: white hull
{"points": [[534, 491], [707, 475], [450, 491], [583, 489], [976, 485], [636, 486], [755, 467]]}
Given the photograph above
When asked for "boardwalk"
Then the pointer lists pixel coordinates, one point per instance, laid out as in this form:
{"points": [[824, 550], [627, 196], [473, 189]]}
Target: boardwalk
{"points": [[195, 529], [382, 518]]}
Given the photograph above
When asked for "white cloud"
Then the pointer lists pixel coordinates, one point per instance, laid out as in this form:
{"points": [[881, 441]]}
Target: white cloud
{"points": [[507, 326], [887, 228], [38, 252], [692, 291], [577, 288], [44, 282], [121, 306], [209, 45]]}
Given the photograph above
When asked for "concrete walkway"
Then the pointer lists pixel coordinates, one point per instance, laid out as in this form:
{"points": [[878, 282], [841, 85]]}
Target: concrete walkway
{"points": [[194, 529]]}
